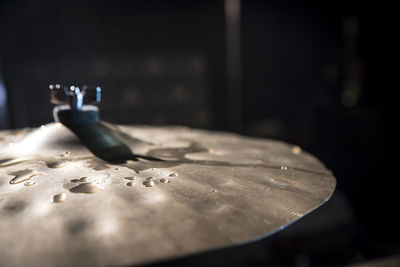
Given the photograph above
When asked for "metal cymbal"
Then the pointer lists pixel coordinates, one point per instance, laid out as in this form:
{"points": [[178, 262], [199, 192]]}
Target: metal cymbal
{"points": [[60, 205]]}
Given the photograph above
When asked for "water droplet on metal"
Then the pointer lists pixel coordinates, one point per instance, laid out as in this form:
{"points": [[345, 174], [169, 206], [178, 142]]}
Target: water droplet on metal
{"points": [[88, 188], [80, 180], [165, 181], [59, 198], [149, 183], [130, 184], [21, 176], [174, 174], [29, 183], [130, 178], [66, 154], [283, 168]]}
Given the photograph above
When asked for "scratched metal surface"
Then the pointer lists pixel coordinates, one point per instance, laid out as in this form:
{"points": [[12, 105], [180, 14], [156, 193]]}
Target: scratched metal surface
{"points": [[59, 205]]}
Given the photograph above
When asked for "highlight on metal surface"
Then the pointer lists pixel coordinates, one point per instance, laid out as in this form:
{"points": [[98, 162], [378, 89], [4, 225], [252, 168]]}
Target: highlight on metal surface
{"points": [[74, 96]]}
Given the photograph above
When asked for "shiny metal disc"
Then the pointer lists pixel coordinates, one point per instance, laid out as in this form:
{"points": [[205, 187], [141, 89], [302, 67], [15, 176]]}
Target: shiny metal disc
{"points": [[61, 206]]}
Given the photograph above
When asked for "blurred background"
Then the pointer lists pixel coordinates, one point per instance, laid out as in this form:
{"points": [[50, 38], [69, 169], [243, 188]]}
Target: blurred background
{"points": [[309, 73]]}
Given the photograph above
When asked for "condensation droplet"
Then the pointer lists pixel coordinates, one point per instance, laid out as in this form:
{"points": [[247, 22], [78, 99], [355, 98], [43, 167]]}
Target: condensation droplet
{"points": [[88, 188], [174, 174], [215, 191], [80, 180], [148, 183], [130, 178], [21, 176], [84, 179], [165, 181], [29, 183], [130, 184], [283, 168], [66, 154], [59, 198], [296, 150]]}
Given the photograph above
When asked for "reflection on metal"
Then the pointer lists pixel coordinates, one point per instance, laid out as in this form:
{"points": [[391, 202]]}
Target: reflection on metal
{"points": [[212, 190], [74, 96]]}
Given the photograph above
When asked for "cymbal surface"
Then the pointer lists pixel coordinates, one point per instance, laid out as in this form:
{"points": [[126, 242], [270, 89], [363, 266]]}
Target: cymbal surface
{"points": [[60, 205]]}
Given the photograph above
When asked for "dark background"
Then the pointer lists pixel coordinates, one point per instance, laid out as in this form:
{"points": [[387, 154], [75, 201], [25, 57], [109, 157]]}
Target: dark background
{"points": [[309, 73]]}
